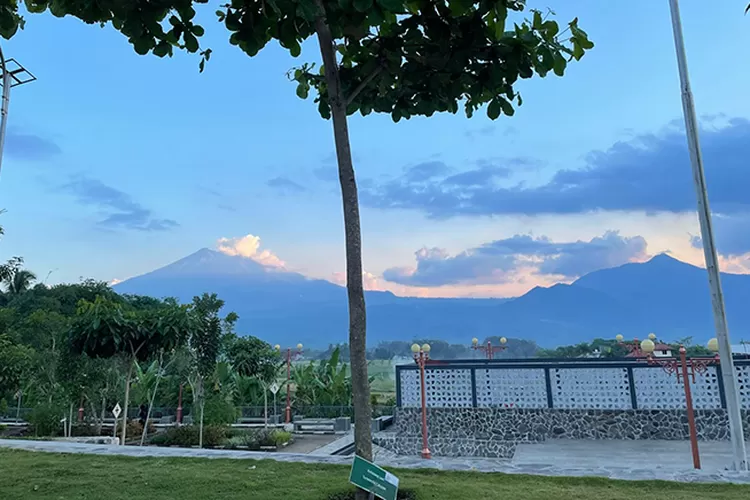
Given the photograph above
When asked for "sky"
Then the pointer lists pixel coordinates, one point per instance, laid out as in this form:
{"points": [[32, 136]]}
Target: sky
{"points": [[116, 164]]}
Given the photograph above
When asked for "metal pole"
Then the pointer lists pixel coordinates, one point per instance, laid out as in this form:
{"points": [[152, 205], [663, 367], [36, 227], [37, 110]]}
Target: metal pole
{"points": [[425, 450], [728, 372], [5, 104], [288, 384], [689, 408], [489, 349], [179, 407]]}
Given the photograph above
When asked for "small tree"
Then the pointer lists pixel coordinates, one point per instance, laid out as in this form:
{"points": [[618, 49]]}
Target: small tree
{"points": [[104, 329], [205, 344]]}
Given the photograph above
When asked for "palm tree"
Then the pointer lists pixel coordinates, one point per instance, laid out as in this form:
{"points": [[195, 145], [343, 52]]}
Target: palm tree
{"points": [[18, 281]]}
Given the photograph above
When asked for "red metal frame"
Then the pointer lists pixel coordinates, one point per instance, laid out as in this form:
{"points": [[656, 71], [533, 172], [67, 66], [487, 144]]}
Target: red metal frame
{"points": [[685, 370], [489, 349], [422, 358]]}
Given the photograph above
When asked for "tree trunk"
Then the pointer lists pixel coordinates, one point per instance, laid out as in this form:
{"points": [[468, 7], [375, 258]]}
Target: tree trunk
{"points": [[104, 411], [151, 405], [354, 286], [127, 401], [201, 405]]}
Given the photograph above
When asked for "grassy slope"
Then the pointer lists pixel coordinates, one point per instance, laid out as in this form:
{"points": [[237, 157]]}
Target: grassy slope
{"points": [[28, 475]]}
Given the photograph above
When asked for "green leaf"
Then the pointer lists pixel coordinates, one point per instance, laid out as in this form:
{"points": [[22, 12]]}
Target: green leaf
{"points": [[493, 110], [191, 43], [560, 64], [162, 49], [303, 90], [551, 28], [295, 50], [198, 30], [324, 109], [507, 107], [362, 5], [577, 50], [395, 6], [36, 7], [537, 23]]}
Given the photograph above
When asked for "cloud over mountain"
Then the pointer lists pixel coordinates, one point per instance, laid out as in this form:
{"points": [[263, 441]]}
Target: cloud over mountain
{"points": [[248, 246], [500, 261]]}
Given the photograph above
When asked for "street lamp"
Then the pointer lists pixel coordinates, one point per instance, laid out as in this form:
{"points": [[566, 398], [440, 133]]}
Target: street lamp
{"points": [[684, 369], [489, 349], [289, 356], [634, 346], [728, 373], [421, 356], [13, 74]]}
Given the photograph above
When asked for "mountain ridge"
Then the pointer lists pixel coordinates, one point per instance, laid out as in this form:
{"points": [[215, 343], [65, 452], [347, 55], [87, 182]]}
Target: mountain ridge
{"points": [[663, 295]]}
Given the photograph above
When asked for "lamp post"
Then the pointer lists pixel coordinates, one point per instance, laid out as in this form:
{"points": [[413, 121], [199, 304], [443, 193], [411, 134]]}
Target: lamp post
{"points": [[289, 356], [685, 369], [633, 346], [13, 74], [489, 349], [179, 406], [421, 355], [728, 373]]}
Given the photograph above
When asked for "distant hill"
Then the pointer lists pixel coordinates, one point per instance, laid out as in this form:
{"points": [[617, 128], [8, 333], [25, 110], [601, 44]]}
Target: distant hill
{"points": [[662, 295]]}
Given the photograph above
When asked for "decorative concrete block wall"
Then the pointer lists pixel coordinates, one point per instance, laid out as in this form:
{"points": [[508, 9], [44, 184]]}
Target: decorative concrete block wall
{"points": [[485, 408], [495, 432], [582, 385]]}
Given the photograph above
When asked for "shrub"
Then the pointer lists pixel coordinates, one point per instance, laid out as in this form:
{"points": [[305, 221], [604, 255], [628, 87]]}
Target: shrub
{"points": [[282, 437], [3, 407], [188, 435], [349, 495], [84, 430], [218, 411], [134, 429], [45, 419]]}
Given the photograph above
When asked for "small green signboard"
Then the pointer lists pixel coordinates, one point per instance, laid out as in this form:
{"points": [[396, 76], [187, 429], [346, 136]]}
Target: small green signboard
{"points": [[373, 479]]}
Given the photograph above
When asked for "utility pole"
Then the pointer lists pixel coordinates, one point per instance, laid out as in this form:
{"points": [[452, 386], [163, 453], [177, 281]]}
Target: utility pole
{"points": [[728, 371], [13, 74]]}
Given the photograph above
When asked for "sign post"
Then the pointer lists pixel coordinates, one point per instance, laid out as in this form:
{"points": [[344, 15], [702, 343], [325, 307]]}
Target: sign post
{"points": [[373, 479], [274, 389], [116, 412]]}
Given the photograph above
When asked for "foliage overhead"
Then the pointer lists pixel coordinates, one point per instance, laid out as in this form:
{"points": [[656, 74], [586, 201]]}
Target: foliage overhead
{"points": [[405, 58], [252, 357], [104, 328]]}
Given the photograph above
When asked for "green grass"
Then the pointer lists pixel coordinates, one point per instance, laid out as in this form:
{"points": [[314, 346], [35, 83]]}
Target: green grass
{"points": [[29, 475]]}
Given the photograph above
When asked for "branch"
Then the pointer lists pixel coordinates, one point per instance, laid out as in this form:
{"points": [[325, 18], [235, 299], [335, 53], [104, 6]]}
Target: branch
{"points": [[364, 84]]}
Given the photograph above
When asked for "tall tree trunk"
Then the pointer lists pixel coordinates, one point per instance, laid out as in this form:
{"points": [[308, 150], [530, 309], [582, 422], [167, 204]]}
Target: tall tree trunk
{"points": [[127, 401], [151, 405], [354, 285]]}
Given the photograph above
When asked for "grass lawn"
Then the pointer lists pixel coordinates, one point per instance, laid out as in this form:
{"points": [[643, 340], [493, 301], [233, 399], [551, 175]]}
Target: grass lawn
{"points": [[30, 475]]}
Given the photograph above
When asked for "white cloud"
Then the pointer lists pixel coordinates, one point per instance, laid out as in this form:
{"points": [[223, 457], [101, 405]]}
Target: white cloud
{"points": [[248, 246], [115, 281]]}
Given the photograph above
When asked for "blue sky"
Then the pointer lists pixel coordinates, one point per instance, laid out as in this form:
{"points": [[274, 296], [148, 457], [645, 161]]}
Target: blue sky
{"points": [[117, 164]]}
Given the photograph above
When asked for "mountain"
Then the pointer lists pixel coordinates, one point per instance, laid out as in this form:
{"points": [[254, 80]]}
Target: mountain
{"points": [[662, 295]]}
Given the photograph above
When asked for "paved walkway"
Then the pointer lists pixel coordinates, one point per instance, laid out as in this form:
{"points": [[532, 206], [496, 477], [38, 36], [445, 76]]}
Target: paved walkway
{"points": [[576, 466]]}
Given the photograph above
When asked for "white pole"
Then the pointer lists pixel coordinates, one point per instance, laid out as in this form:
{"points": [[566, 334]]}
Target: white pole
{"points": [[709, 249], [5, 104]]}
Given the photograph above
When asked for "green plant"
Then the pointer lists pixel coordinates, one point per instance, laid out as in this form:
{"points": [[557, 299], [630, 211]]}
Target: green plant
{"points": [[214, 435], [3, 406], [219, 411], [282, 437], [188, 435], [135, 429], [45, 419]]}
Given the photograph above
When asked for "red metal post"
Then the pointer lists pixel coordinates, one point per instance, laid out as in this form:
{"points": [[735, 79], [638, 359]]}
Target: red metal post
{"points": [[689, 407], [425, 450], [288, 385], [179, 406], [80, 413]]}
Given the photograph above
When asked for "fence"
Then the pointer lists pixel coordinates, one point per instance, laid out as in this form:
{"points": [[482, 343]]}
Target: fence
{"points": [[563, 384]]}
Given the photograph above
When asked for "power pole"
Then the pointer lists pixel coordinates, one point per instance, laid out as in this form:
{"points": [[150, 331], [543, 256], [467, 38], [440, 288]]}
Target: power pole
{"points": [[728, 371]]}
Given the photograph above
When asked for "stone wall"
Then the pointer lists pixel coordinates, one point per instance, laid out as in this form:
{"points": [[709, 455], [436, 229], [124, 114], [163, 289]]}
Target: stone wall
{"points": [[494, 432]]}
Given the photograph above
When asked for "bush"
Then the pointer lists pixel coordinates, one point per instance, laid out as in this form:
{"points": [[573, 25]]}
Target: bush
{"points": [[3, 407], [84, 430], [217, 411], [188, 435], [134, 429], [45, 419], [349, 495], [282, 437]]}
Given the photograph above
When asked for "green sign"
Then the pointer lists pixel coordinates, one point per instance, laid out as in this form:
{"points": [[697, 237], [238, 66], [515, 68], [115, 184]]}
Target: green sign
{"points": [[371, 478]]}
